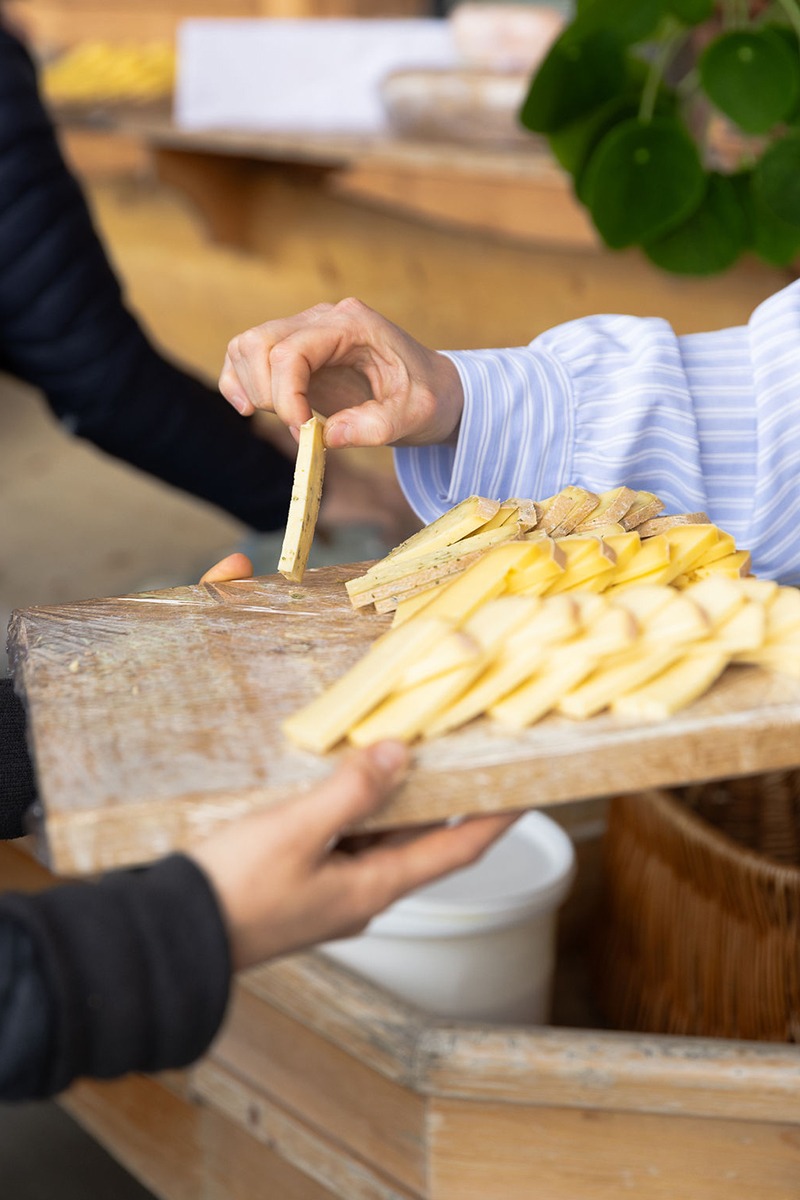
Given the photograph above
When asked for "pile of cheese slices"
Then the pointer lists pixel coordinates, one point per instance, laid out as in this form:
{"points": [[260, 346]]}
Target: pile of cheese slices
{"points": [[576, 604]]}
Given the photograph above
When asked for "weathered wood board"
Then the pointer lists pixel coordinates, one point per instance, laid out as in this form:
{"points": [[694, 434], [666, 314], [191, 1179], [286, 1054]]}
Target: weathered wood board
{"points": [[157, 716]]}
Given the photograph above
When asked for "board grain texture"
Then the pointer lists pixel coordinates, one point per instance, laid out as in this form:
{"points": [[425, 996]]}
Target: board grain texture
{"points": [[155, 717]]}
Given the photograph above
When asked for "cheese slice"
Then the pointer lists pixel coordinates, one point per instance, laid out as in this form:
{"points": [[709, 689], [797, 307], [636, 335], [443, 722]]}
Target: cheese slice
{"points": [[520, 656], [482, 581], [674, 688], [405, 714], [323, 722], [735, 566], [309, 471], [456, 649], [586, 558], [458, 522], [645, 506], [652, 558], [688, 544], [612, 507], [536, 576], [630, 670], [536, 697], [390, 570]]}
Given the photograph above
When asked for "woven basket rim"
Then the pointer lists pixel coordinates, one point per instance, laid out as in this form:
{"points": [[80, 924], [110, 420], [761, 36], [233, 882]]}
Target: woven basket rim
{"points": [[696, 828]]}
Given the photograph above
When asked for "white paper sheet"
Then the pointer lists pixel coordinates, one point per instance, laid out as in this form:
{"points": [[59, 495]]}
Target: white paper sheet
{"points": [[313, 76]]}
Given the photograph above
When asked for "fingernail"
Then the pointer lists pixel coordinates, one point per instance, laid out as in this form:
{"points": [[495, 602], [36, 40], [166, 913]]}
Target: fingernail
{"points": [[294, 430], [391, 757], [239, 403]]}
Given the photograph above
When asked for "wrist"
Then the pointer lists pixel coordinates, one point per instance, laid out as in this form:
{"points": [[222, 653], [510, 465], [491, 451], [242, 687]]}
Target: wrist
{"points": [[449, 398]]}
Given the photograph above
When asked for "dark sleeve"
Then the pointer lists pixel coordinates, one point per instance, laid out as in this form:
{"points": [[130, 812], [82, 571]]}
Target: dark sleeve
{"points": [[17, 786], [64, 328], [98, 979]]}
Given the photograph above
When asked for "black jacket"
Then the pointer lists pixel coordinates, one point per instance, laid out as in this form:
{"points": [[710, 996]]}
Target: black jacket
{"points": [[64, 327], [127, 974], [132, 972]]}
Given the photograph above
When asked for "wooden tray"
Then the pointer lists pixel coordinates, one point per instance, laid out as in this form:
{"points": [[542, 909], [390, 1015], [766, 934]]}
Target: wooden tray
{"points": [[155, 717]]}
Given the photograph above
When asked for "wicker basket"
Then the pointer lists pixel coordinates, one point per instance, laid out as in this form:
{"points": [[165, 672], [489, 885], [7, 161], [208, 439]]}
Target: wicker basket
{"points": [[702, 935]]}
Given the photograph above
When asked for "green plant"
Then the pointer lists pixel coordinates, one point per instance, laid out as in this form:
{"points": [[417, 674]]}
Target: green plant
{"points": [[679, 121]]}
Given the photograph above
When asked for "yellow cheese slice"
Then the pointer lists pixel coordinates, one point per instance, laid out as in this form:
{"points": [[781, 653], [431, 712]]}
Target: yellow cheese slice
{"points": [[630, 670], [653, 556], [521, 654], [688, 544], [406, 714], [309, 471], [323, 722], [390, 570], [733, 565], [458, 522], [481, 581], [674, 688]]}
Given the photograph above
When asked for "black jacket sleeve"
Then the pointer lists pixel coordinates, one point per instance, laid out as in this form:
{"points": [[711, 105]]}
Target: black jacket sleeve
{"points": [[98, 979], [64, 328], [17, 784]]}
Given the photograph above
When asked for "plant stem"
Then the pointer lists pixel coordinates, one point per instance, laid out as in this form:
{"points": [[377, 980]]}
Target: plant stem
{"points": [[656, 73]]}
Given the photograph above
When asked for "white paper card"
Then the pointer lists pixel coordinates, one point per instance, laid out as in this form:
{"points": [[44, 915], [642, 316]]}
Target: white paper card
{"points": [[312, 76]]}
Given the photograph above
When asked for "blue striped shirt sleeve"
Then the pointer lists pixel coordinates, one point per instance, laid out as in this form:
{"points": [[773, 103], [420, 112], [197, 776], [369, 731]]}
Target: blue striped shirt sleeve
{"points": [[707, 421]]}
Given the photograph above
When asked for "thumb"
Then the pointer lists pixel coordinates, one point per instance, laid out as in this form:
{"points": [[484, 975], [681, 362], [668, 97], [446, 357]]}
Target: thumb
{"points": [[359, 786], [372, 423]]}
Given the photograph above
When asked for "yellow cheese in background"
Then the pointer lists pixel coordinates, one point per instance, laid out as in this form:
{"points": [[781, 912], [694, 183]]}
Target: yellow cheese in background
{"points": [[652, 556], [688, 544], [458, 522], [733, 565]]}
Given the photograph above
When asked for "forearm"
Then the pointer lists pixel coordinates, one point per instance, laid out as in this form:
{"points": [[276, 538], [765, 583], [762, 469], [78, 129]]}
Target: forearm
{"points": [[128, 974], [708, 422]]}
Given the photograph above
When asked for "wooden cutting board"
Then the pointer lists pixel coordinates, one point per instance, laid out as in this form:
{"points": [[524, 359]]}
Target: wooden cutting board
{"points": [[155, 717]]}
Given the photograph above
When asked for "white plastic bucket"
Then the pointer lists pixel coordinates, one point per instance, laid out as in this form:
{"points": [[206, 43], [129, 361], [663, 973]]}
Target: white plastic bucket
{"points": [[479, 944]]}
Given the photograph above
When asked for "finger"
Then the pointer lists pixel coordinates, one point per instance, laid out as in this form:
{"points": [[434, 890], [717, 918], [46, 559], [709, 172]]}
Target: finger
{"points": [[295, 359], [249, 355], [373, 423], [231, 387], [359, 786], [235, 566], [392, 871]]}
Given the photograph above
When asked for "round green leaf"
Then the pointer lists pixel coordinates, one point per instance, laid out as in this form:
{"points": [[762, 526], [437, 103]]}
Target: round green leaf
{"points": [[710, 240], [573, 144], [751, 76], [578, 75], [643, 180], [691, 12], [776, 179], [631, 20], [770, 238]]}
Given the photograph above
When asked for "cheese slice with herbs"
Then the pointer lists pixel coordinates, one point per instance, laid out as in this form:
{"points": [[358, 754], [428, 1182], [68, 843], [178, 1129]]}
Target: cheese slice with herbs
{"points": [[309, 471]]}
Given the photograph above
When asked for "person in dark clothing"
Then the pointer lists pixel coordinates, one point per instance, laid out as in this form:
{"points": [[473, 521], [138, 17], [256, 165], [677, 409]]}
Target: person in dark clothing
{"points": [[132, 973], [64, 327]]}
